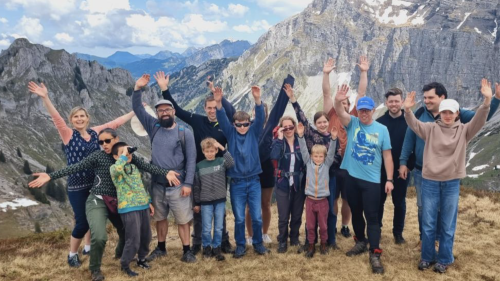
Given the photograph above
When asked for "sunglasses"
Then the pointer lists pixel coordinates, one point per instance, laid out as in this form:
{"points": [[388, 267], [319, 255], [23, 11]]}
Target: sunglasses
{"points": [[101, 142], [289, 128], [239, 125]]}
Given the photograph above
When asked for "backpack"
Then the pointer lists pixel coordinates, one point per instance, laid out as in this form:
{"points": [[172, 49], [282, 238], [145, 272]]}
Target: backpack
{"points": [[182, 136], [413, 158]]}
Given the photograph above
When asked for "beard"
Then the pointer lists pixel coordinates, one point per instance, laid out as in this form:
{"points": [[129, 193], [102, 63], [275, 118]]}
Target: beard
{"points": [[167, 122]]}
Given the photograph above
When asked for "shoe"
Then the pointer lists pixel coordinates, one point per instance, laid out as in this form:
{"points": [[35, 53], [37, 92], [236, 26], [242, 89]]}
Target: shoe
{"points": [[196, 249], [188, 257], [129, 272], [398, 239], [375, 262], [207, 252], [217, 253], [249, 241], [239, 252], [294, 243], [345, 231], [156, 253], [97, 275], [440, 268], [143, 264], [303, 248], [74, 261], [310, 251], [332, 246], [226, 247], [323, 249], [85, 253], [266, 239], [423, 265], [359, 248], [282, 247], [260, 249]]}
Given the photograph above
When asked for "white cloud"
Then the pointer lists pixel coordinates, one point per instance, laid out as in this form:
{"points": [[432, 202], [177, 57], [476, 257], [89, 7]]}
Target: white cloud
{"points": [[4, 43], [237, 10], [28, 28], [256, 26], [243, 28], [63, 38], [233, 10], [214, 8], [3, 20], [42, 8], [48, 43], [104, 6], [284, 7], [196, 23]]}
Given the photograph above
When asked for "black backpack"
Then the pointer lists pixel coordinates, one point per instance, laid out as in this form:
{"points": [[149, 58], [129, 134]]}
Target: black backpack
{"points": [[413, 158]]}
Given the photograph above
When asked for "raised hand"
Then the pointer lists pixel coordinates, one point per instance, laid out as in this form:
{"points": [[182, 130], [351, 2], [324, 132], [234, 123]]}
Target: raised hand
{"points": [[42, 179], [40, 91], [162, 80], [300, 129], [217, 94], [410, 100], [280, 133], [342, 92], [142, 81], [334, 133], [210, 84], [486, 89], [329, 66], [289, 92], [219, 146], [363, 64], [172, 178], [256, 93]]}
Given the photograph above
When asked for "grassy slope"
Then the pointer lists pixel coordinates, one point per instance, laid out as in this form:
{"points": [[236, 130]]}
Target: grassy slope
{"points": [[42, 257]]}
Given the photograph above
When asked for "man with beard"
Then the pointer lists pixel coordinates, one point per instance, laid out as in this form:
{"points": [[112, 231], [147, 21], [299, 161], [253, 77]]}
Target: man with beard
{"points": [[168, 152]]}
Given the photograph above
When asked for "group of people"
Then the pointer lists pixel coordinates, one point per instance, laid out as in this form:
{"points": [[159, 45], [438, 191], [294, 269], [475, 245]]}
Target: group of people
{"points": [[343, 153]]}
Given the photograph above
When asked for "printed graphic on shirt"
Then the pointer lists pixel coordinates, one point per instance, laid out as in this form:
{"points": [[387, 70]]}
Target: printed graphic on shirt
{"points": [[364, 146]]}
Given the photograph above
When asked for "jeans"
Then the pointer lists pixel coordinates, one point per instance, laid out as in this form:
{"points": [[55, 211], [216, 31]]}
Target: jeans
{"points": [[439, 199], [398, 195], [246, 191], [417, 178], [78, 199], [290, 207], [197, 226], [216, 212]]}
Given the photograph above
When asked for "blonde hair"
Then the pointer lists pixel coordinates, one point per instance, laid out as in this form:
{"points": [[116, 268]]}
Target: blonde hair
{"points": [[208, 143], [74, 110], [318, 148], [287, 117]]}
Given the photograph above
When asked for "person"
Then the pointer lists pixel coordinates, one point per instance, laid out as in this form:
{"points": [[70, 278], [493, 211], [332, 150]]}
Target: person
{"points": [[245, 188], [368, 142], [203, 127], [444, 165], [79, 142], [395, 122], [101, 203], [285, 150], [317, 180], [210, 192], [134, 205], [172, 147], [339, 174], [434, 93]]}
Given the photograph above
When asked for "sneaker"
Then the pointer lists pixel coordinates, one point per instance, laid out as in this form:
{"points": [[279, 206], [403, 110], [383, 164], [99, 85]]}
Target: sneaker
{"points": [[188, 257], [156, 253], [359, 248], [226, 247], [207, 252], [423, 265], [196, 249], [332, 246], [239, 252], [249, 241], [74, 261], [398, 239], [440, 268], [323, 249], [282, 247], [129, 272], [217, 253], [375, 261], [345, 231], [143, 264], [97, 275], [310, 251], [260, 249], [85, 253], [266, 238]]}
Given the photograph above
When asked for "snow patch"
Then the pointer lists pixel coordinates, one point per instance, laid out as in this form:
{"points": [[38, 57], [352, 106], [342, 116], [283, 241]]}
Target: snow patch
{"points": [[437, 9], [317, 12], [17, 203], [494, 33], [380, 106], [466, 16], [477, 30], [474, 176], [487, 134], [401, 18], [471, 155], [478, 168], [401, 3]]}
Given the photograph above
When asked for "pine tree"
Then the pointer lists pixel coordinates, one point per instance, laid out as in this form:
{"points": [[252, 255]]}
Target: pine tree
{"points": [[39, 195], [2, 157], [26, 168], [19, 153]]}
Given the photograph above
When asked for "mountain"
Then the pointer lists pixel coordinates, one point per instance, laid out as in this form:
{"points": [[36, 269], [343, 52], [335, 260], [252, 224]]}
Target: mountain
{"points": [[225, 49], [190, 51], [104, 61], [150, 66], [122, 58], [162, 55]]}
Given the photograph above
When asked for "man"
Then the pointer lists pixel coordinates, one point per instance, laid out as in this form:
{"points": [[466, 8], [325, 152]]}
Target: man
{"points": [[368, 142], [434, 93], [169, 152], [395, 122], [203, 127]]}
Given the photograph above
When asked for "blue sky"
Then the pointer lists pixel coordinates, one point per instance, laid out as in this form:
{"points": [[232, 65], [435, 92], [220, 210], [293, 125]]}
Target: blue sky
{"points": [[101, 27]]}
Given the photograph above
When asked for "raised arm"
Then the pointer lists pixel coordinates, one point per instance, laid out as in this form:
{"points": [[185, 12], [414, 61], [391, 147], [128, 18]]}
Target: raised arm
{"points": [[277, 146], [302, 143], [341, 95], [301, 117], [421, 129], [162, 81], [330, 156], [260, 116], [328, 67], [364, 66], [115, 123], [147, 121], [228, 107], [224, 122], [479, 118]]}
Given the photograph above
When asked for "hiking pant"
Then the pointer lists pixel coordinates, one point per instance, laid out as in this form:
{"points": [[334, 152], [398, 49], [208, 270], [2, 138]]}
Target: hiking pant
{"points": [[290, 207], [398, 195], [317, 214], [137, 235]]}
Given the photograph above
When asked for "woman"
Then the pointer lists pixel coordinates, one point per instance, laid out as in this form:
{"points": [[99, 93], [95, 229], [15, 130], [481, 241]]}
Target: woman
{"points": [[285, 150], [79, 142], [444, 165]]}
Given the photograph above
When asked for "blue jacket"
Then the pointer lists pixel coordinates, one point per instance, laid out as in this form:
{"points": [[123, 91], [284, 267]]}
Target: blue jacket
{"points": [[281, 153], [413, 143]]}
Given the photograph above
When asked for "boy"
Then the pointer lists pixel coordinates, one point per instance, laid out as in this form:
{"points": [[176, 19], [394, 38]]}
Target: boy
{"points": [[317, 189], [242, 139], [210, 192]]}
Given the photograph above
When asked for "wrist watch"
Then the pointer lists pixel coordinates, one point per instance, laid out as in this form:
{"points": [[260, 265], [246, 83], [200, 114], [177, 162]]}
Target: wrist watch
{"points": [[391, 181]]}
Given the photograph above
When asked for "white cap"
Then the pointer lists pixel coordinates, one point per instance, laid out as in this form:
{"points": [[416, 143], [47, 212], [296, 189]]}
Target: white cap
{"points": [[136, 124], [449, 104]]}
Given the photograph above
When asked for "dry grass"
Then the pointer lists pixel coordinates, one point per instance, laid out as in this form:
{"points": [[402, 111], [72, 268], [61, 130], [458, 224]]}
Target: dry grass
{"points": [[42, 257]]}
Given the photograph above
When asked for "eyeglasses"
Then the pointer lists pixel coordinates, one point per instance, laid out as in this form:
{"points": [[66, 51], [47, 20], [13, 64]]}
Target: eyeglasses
{"points": [[101, 142], [161, 111], [289, 128], [239, 125]]}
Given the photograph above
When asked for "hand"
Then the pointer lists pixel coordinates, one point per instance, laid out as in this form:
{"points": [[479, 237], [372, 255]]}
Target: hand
{"points": [[172, 178], [152, 210], [280, 133], [389, 186], [218, 94], [289, 92], [210, 84], [162, 80], [329, 66], [40, 91], [342, 93], [300, 129], [486, 89], [42, 179], [185, 191], [144, 104], [403, 172], [219, 146], [125, 151], [197, 209], [256, 94], [363, 64], [141, 82], [334, 132], [409, 101], [497, 90]]}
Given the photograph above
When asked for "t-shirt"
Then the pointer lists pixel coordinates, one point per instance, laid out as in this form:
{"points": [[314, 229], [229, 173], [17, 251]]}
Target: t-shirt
{"points": [[363, 155]]}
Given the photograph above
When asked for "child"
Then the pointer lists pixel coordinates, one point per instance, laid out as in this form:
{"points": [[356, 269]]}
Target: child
{"points": [[134, 204], [317, 189], [210, 193]]}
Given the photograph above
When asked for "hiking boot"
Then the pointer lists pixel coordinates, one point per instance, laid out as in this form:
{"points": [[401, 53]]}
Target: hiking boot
{"points": [[359, 248], [97, 275], [332, 246], [226, 247], [375, 261], [239, 252], [310, 251], [440, 268], [85, 253], [266, 239], [294, 243], [345, 231], [323, 249], [156, 253], [143, 264], [217, 253], [74, 261], [423, 265], [207, 252], [398, 239], [188, 257], [303, 248], [282, 247], [260, 249], [129, 272], [196, 249]]}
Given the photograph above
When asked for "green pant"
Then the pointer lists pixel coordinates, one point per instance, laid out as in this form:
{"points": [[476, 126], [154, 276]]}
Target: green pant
{"points": [[97, 216]]}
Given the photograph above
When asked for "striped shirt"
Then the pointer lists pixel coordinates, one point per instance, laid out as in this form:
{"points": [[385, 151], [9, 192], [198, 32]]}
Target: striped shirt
{"points": [[210, 180]]}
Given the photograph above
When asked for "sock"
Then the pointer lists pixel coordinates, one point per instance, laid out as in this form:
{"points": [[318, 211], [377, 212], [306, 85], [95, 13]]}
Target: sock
{"points": [[162, 246], [87, 248], [72, 254], [344, 225], [185, 248]]}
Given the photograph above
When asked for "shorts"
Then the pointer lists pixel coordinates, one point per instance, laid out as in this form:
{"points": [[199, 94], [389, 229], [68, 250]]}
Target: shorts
{"points": [[341, 176], [165, 199], [267, 176]]}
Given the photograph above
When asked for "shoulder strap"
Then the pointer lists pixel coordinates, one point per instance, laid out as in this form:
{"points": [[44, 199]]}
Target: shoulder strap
{"points": [[182, 138], [419, 112], [156, 128]]}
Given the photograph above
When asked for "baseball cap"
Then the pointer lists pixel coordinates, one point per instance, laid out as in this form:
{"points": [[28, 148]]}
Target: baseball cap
{"points": [[167, 102], [365, 103], [449, 104]]}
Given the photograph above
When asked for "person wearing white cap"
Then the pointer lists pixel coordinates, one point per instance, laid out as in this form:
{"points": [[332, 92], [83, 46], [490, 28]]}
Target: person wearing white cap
{"points": [[443, 166]]}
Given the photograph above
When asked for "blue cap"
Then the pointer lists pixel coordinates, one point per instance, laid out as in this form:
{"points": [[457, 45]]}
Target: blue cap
{"points": [[365, 103]]}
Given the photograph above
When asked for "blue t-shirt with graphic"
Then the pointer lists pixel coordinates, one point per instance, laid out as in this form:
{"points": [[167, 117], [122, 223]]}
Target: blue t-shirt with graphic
{"points": [[363, 155]]}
